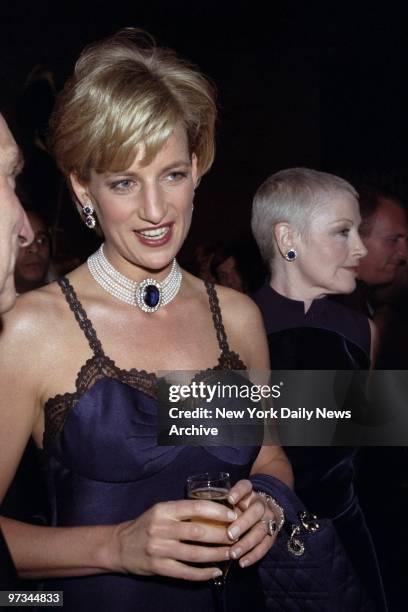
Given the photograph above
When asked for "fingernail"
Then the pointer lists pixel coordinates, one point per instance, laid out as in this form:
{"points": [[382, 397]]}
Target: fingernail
{"points": [[217, 573], [232, 498], [232, 515], [243, 563], [233, 533], [236, 553]]}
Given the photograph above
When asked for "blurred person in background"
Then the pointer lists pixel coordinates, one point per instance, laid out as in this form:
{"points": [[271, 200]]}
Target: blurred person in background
{"points": [[238, 265], [33, 261], [382, 294], [384, 232]]}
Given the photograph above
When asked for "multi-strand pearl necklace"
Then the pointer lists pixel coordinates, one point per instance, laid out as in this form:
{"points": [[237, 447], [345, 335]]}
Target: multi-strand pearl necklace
{"points": [[148, 295]]}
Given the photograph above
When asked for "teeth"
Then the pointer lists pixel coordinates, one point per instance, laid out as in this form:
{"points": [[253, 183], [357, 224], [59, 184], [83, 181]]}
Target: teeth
{"points": [[155, 233]]}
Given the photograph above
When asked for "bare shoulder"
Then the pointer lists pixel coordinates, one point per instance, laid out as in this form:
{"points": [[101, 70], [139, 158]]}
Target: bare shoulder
{"points": [[244, 327], [35, 312], [38, 312], [237, 308], [32, 330]]}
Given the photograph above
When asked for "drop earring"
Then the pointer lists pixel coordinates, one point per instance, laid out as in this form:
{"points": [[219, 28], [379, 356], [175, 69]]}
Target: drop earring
{"points": [[88, 211], [290, 255]]}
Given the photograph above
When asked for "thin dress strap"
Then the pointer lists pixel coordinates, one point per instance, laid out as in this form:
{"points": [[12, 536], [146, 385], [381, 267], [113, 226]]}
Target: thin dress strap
{"points": [[80, 315], [217, 318]]}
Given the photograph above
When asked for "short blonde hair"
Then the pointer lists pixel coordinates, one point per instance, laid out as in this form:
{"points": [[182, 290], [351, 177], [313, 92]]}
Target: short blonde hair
{"points": [[126, 92], [292, 196]]}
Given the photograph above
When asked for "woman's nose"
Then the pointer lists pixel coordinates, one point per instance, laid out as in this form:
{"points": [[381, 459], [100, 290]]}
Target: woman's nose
{"points": [[154, 207], [360, 248]]}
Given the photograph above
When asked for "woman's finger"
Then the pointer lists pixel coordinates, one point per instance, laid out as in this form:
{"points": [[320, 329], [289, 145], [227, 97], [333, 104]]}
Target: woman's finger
{"points": [[195, 554], [250, 541], [240, 491], [183, 510], [177, 569], [252, 515], [196, 530], [258, 552]]}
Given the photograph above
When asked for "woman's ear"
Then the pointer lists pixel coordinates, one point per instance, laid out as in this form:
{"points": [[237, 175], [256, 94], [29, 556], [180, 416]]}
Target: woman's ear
{"points": [[285, 237], [79, 191]]}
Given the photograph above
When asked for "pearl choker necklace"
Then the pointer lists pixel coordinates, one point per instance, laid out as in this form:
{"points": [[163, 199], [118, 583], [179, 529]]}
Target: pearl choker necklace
{"points": [[149, 295]]}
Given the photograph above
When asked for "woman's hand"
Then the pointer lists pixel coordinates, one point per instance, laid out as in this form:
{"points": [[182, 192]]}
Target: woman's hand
{"points": [[248, 532], [162, 540]]}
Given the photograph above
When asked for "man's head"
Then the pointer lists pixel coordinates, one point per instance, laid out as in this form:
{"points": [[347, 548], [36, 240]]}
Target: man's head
{"points": [[384, 231], [33, 260], [15, 228]]}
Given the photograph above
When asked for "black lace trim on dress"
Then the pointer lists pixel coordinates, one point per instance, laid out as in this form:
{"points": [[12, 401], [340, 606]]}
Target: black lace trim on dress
{"points": [[101, 366], [96, 368], [80, 315]]}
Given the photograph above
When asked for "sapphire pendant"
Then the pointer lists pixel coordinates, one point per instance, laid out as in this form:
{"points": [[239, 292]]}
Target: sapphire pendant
{"points": [[149, 295]]}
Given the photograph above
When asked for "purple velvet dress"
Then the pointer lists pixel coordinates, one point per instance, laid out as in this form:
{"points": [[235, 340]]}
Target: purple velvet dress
{"points": [[105, 467]]}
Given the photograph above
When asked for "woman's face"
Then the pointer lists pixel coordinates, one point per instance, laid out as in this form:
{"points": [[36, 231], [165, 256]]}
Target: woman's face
{"points": [[330, 249], [145, 211]]}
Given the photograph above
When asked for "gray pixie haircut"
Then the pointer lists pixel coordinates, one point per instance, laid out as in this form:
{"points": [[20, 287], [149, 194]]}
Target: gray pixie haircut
{"points": [[292, 196]]}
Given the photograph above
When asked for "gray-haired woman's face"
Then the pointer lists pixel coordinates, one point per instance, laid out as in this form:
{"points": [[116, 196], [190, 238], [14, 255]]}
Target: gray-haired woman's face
{"points": [[330, 249]]}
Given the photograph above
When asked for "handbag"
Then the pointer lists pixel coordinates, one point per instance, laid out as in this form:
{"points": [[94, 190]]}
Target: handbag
{"points": [[307, 569]]}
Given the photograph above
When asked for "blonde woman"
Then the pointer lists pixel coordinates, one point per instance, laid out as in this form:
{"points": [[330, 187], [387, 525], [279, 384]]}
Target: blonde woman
{"points": [[133, 132]]}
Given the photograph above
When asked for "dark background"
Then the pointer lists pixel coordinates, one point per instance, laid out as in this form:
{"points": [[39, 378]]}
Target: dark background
{"points": [[306, 83], [299, 83]]}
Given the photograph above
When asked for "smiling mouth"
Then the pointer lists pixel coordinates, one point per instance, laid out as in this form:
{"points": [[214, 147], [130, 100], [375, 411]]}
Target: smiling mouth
{"points": [[154, 234]]}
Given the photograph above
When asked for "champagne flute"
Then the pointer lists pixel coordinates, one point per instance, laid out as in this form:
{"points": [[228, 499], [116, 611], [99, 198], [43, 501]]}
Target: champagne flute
{"points": [[213, 486]]}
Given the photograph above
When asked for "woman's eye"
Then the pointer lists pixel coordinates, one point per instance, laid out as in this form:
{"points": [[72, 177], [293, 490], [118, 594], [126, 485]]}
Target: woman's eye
{"points": [[345, 231], [123, 185], [174, 177]]}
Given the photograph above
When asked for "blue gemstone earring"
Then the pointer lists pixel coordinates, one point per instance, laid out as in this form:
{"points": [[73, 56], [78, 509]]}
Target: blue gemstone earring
{"points": [[88, 211], [290, 255]]}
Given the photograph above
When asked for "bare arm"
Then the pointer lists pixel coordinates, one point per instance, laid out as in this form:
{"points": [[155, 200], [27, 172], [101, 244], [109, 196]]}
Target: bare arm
{"points": [[247, 336], [152, 543], [246, 331], [36, 551], [46, 552]]}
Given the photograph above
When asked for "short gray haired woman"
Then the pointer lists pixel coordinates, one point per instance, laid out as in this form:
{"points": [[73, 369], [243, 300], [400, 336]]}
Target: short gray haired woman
{"points": [[306, 224]]}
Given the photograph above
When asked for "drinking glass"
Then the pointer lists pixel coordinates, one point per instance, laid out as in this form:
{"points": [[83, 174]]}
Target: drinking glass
{"points": [[213, 486]]}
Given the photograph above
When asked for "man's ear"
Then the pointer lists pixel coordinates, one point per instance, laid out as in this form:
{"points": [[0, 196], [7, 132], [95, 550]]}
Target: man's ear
{"points": [[284, 236]]}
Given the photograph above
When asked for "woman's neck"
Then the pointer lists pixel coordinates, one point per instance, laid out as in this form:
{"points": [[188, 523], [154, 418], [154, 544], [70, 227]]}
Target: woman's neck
{"points": [[134, 272], [295, 288]]}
